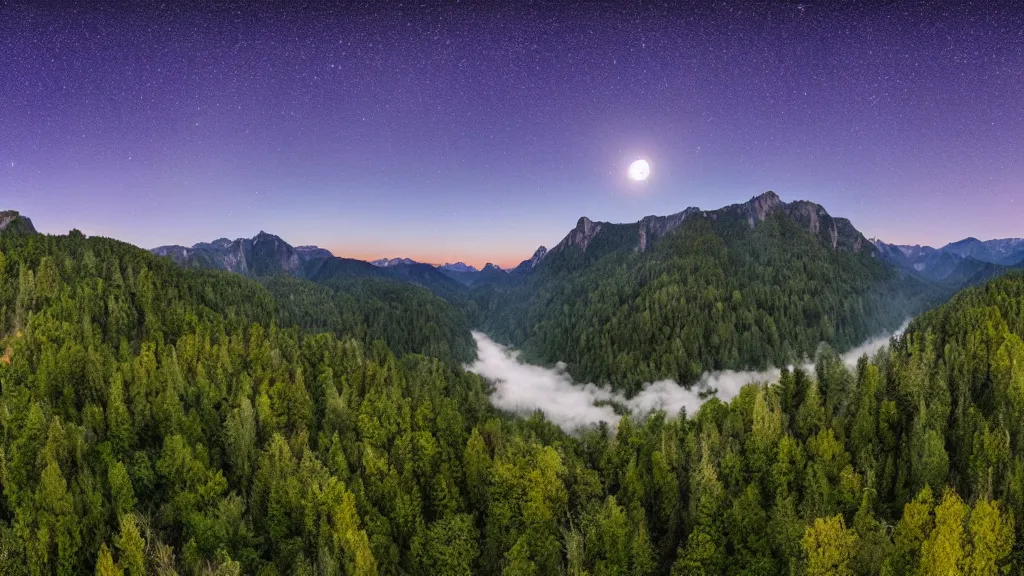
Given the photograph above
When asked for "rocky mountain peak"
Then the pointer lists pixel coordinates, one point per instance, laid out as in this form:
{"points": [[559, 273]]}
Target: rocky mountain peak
{"points": [[582, 234], [764, 205], [538, 255], [266, 236], [11, 219]]}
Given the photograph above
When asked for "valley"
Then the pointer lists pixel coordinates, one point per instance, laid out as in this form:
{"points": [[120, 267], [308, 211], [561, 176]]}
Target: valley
{"points": [[251, 407], [743, 287]]}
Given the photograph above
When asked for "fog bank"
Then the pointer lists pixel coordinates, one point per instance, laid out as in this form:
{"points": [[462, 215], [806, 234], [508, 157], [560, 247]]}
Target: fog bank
{"points": [[526, 388]]}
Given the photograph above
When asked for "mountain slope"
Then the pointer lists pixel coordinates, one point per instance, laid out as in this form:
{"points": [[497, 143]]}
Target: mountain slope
{"points": [[407, 318], [360, 304], [974, 344], [999, 303], [157, 407], [748, 285]]}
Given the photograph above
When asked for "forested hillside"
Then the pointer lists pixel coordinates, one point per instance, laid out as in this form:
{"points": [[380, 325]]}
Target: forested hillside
{"points": [[407, 317], [747, 286], [155, 420]]}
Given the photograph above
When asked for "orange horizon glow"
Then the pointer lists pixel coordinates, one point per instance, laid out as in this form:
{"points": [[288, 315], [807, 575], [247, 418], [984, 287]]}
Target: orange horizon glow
{"points": [[506, 261]]}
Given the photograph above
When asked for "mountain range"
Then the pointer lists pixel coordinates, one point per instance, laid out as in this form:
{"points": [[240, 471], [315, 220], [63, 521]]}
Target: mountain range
{"points": [[757, 283], [459, 271], [266, 255], [966, 262], [752, 284]]}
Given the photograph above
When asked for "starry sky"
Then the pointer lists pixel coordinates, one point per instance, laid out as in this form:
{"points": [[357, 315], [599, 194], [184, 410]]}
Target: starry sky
{"points": [[477, 131]]}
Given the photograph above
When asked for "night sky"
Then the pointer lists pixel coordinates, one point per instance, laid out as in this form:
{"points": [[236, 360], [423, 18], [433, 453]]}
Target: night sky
{"points": [[476, 132]]}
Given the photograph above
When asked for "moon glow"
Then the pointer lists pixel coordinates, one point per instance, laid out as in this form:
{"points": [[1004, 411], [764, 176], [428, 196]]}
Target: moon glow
{"points": [[639, 170]]}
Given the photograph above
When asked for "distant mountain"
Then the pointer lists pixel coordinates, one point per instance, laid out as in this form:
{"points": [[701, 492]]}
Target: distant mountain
{"points": [[966, 262], [749, 285], [267, 255], [471, 277], [527, 265], [387, 262], [262, 255], [1005, 252], [12, 221], [457, 267], [417, 273], [311, 252], [492, 274]]}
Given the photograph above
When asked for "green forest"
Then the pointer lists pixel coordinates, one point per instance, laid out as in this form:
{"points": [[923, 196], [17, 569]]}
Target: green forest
{"points": [[717, 293], [161, 420]]}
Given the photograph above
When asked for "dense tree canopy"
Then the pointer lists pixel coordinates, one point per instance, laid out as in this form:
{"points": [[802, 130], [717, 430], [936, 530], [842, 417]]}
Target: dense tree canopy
{"points": [[155, 420], [407, 317], [713, 294]]}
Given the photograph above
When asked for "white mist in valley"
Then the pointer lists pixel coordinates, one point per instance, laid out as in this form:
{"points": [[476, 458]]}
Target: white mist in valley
{"points": [[526, 388]]}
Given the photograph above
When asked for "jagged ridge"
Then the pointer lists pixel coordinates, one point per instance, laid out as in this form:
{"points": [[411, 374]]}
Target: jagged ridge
{"points": [[836, 233]]}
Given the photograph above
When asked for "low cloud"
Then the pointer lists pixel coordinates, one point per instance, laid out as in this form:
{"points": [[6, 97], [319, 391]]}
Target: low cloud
{"points": [[850, 357], [526, 388]]}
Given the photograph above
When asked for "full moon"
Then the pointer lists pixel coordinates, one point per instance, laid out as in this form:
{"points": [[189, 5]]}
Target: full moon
{"points": [[639, 170]]}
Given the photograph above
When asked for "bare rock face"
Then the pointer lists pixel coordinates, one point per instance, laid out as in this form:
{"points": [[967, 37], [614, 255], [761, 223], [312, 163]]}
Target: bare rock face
{"points": [[648, 230], [836, 233], [175, 252], [11, 219], [763, 206], [653, 227], [807, 213], [6, 218], [582, 234], [538, 256]]}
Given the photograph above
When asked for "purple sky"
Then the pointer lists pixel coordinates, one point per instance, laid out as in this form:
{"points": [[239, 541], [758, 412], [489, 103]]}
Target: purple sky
{"points": [[477, 133]]}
